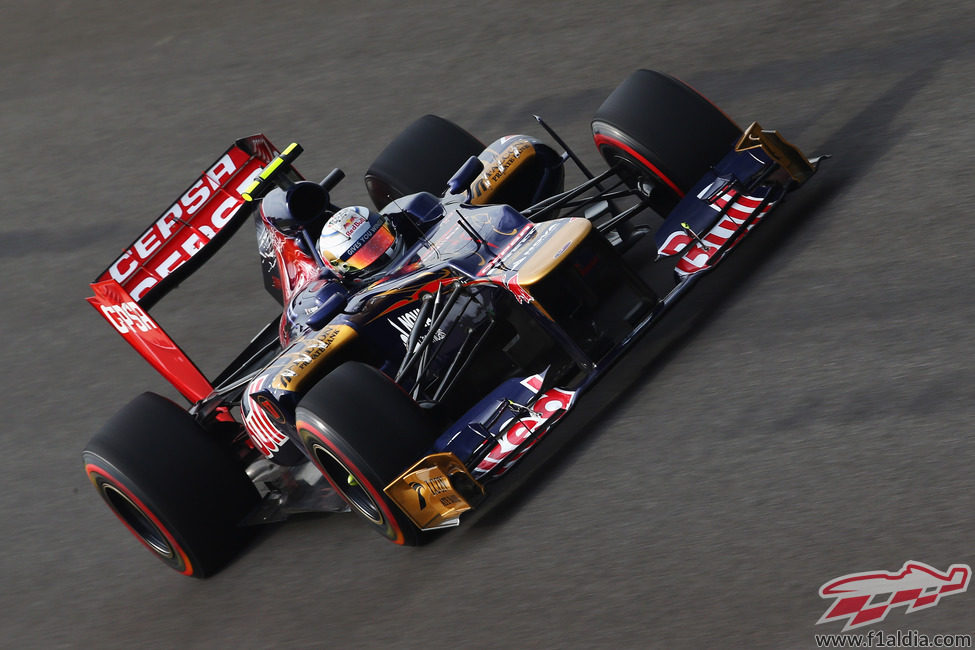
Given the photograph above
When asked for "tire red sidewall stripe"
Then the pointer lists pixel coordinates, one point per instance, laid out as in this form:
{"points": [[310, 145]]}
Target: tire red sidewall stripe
{"points": [[602, 139], [93, 470], [349, 465]]}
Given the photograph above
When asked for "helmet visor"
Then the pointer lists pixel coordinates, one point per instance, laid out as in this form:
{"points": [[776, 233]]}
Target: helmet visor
{"points": [[373, 247]]}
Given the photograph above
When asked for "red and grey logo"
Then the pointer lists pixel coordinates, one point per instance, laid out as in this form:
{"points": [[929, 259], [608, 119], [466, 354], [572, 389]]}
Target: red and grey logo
{"points": [[865, 598]]}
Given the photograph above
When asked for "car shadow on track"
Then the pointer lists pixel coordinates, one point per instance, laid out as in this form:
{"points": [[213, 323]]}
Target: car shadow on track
{"points": [[860, 144]]}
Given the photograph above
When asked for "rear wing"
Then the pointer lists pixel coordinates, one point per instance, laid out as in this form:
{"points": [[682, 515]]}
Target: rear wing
{"points": [[152, 342], [194, 227], [174, 246]]}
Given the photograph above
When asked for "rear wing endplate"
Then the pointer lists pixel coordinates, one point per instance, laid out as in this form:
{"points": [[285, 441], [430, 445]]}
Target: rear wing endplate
{"points": [[174, 246], [120, 309]]}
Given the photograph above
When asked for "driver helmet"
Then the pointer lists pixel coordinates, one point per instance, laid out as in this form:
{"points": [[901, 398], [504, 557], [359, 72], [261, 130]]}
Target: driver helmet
{"points": [[356, 241]]}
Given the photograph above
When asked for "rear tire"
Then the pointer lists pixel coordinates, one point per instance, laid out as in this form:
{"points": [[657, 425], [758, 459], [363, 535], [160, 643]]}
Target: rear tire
{"points": [[173, 486], [662, 132], [420, 159], [362, 431]]}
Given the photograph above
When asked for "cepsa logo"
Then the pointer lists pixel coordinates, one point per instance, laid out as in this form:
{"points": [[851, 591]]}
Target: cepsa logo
{"points": [[128, 317], [175, 219]]}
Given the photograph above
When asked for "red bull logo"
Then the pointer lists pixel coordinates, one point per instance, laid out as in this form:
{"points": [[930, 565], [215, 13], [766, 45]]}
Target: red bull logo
{"points": [[511, 284]]}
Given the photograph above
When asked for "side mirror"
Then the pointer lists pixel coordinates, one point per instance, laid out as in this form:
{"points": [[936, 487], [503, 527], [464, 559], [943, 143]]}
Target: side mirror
{"points": [[464, 176], [331, 299]]}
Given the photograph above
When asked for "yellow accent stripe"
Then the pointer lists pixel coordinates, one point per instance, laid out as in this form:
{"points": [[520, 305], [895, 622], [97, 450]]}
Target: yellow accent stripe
{"points": [[272, 166], [247, 194]]}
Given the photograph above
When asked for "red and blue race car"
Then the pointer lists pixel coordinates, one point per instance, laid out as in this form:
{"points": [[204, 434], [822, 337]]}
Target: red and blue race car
{"points": [[424, 346]]}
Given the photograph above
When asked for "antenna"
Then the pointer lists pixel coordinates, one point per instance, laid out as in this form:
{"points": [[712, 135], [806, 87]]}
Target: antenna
{"points": [[469, 229], [422, 235]]}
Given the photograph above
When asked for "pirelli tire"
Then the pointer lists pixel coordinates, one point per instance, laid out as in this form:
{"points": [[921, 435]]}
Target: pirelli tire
{"points": [[362, 431], [661, 133], [420, 159], [173, 486]]}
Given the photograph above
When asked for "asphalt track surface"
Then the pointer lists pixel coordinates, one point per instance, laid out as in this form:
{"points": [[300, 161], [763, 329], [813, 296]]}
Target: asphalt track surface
{"points": [[806, 415]]}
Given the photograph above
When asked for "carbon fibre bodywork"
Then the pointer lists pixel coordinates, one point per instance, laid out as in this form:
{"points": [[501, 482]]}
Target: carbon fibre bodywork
{"points": [[496, 309], [506, 300]]}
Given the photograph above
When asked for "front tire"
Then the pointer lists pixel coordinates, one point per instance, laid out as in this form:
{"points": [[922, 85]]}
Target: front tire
{"points": [[661, 133], [362, 431], [420, 159], [172, 485]]}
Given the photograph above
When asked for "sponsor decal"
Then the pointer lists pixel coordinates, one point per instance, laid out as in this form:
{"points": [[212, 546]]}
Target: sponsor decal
{"points": [[564, 248], [149, 339], [418, 488], [128, 317], [696, 257], [369, 247], [265, 241], [427, 492], [343, 226], [347, 221], [518, 434], [526, 234], [185, 227], [499, 168], [511, 283], [258, 415], [298, 361], [436, 487], [866, 598], [405, 322], [186, 206], [269, 407]]}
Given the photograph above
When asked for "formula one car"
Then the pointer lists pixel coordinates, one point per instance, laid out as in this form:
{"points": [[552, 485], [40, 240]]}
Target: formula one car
{"points": [[423, 348]]}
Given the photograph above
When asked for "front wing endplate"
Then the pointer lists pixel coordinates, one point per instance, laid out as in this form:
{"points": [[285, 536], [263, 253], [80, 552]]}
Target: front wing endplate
{"points": [[435, 491], [778, 149]]}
